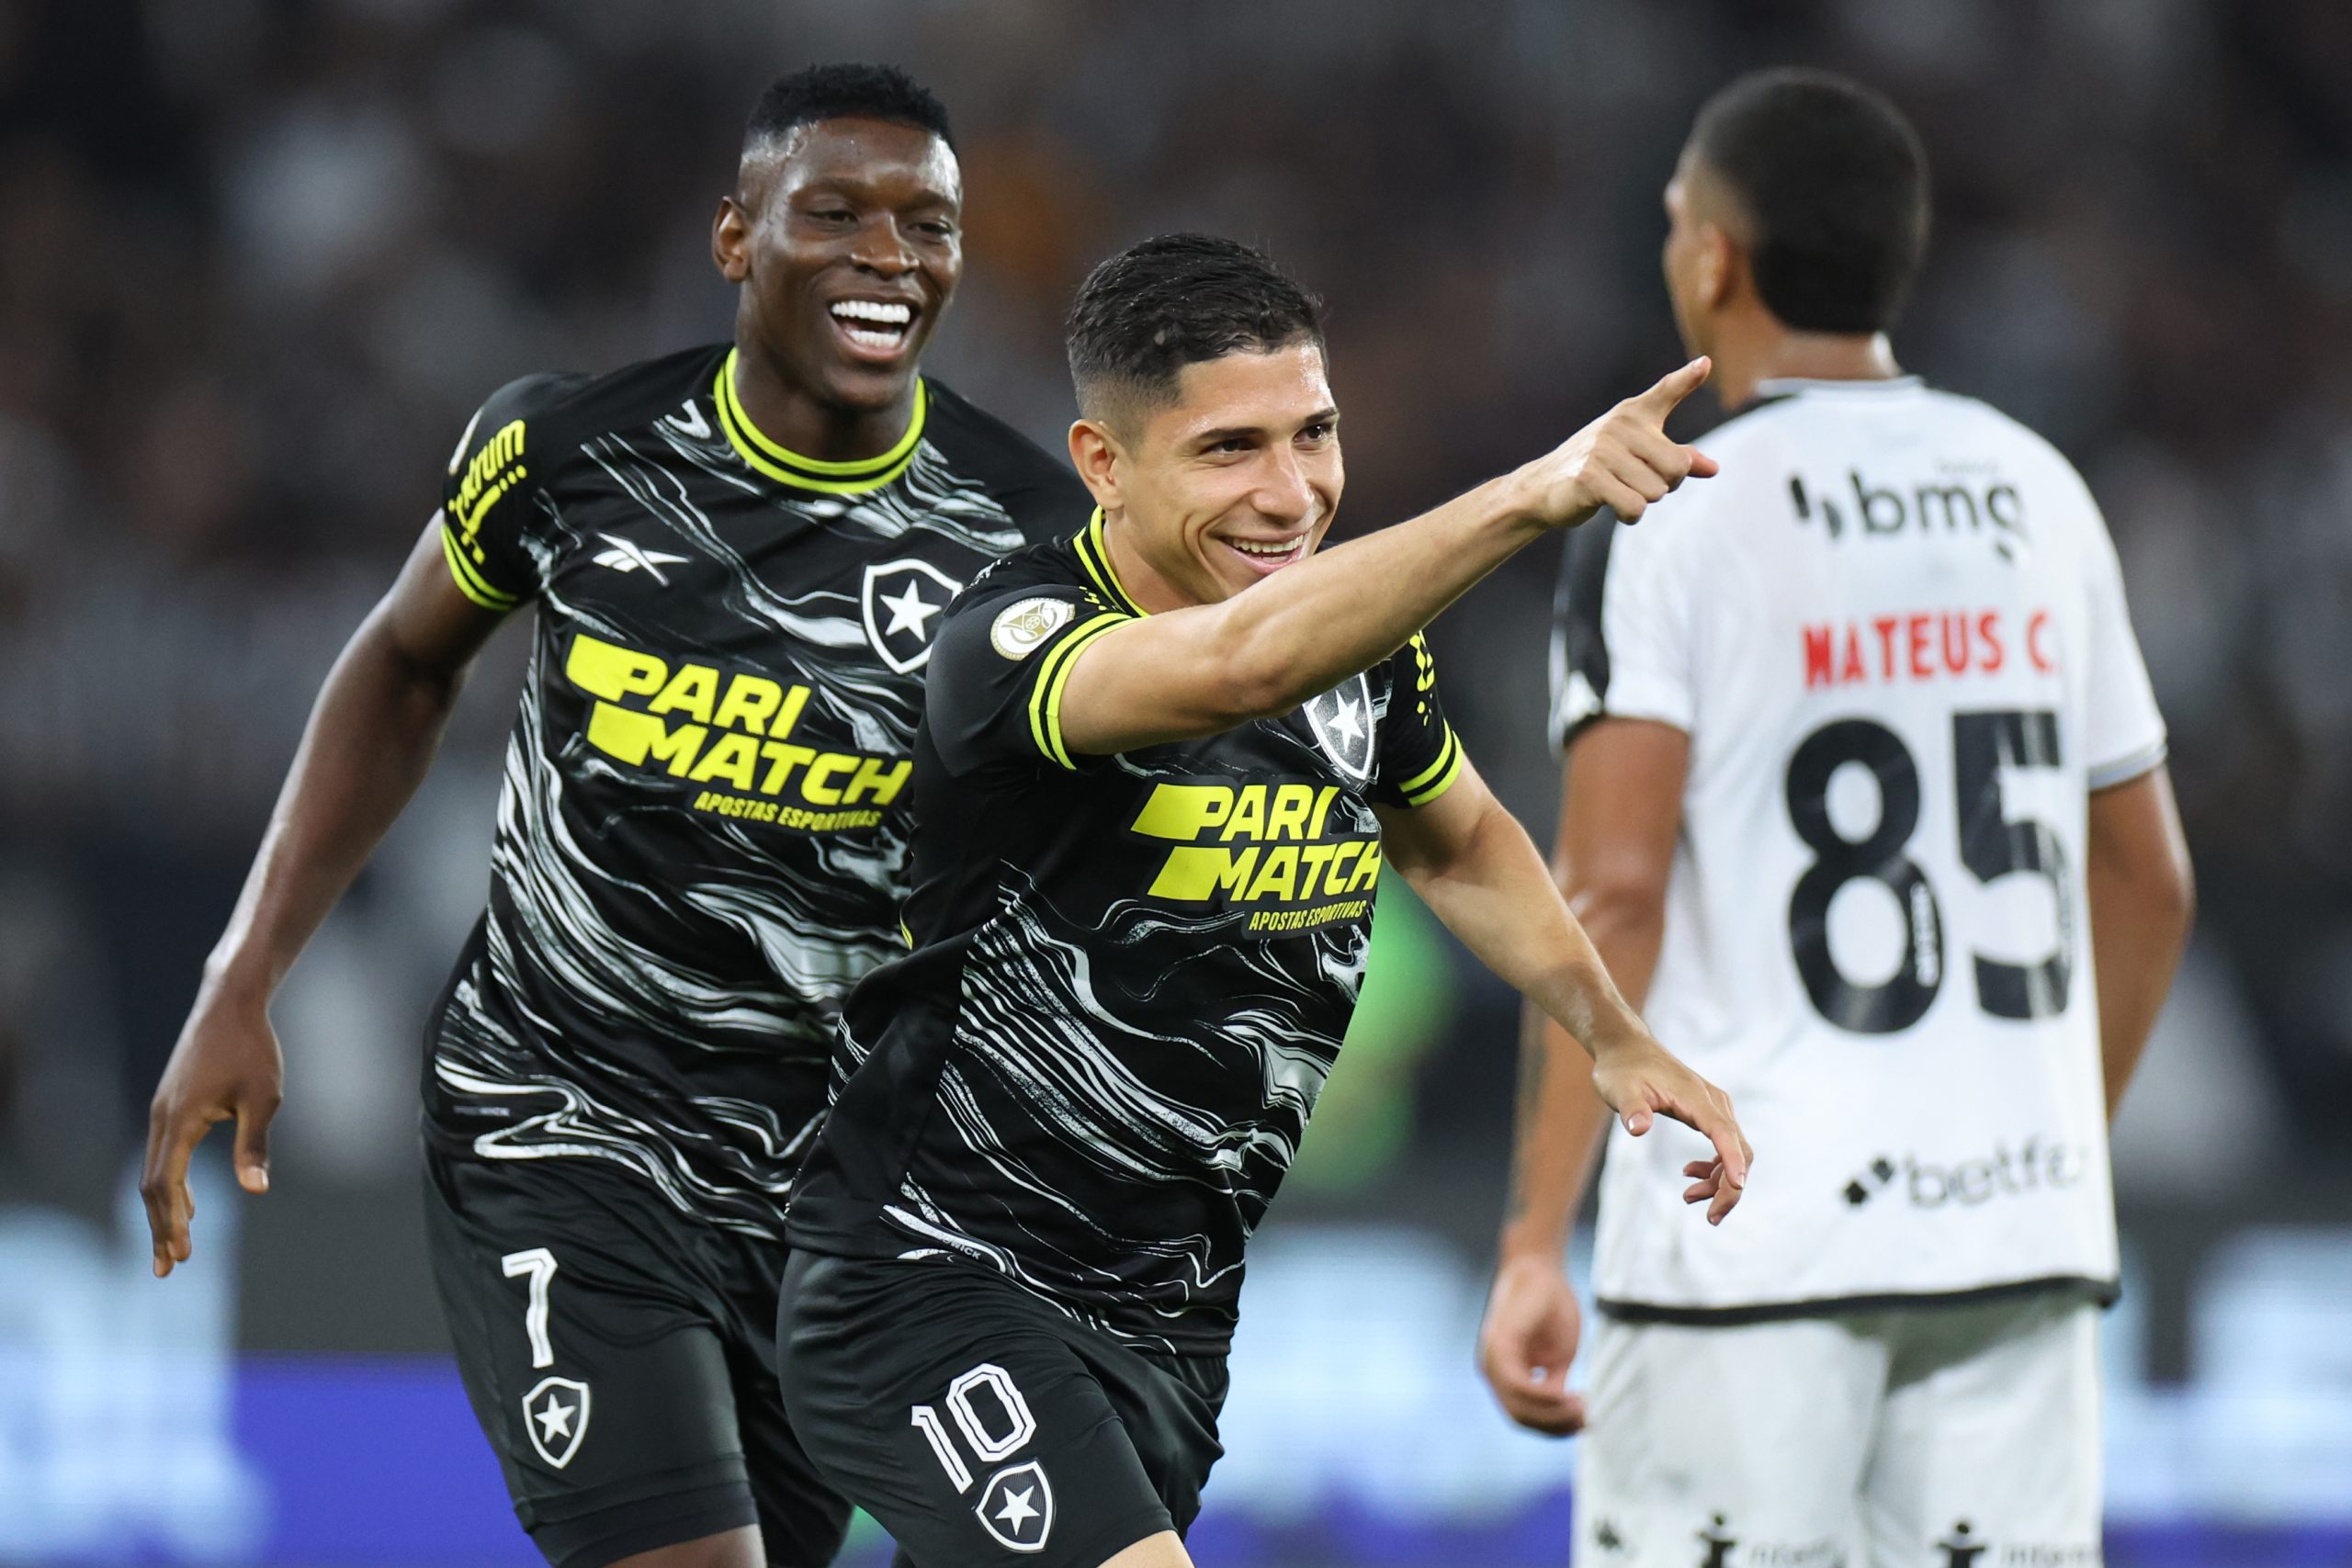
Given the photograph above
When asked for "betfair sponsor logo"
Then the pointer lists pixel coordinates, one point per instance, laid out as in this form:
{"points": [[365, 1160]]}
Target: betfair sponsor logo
{"points": [[697, 723], [2035, 1166], [1260, 844]]}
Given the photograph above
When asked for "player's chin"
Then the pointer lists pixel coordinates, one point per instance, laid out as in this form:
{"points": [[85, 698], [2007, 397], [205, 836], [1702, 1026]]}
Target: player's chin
{"points": [[867, 387], [866, 380]]}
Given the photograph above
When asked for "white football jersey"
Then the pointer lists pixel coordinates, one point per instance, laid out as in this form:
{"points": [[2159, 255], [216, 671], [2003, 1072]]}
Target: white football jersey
{"points": [[1894, 628]]}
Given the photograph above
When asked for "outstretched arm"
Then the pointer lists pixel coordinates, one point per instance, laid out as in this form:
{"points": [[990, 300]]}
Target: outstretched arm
{"points": [[371, 736], [1478, 872], [1203, 669], [1474, 866]]}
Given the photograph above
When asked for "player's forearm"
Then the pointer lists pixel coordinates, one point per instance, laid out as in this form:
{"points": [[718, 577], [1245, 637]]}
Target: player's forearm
{"points": [[1563, 1122], [371, 740], [1494, 892], [2143, 902], [1206, 669], [1309, 626]]}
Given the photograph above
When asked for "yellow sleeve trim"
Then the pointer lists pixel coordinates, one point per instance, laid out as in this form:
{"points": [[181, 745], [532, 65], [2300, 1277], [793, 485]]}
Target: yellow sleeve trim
{"points": [[1046, 696], [468, 579], [1439, 776]]}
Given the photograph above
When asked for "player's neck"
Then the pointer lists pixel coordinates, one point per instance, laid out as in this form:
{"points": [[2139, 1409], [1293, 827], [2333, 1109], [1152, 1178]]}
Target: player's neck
{"points": [[1773, 352], [794, 419], [1151, 589]]}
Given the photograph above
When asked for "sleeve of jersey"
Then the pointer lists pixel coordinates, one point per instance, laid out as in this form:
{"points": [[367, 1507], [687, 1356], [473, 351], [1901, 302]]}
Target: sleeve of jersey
{"points": [[488, 504], [1620, 628], [1420, 754], [2123, 731], [993, 695]]}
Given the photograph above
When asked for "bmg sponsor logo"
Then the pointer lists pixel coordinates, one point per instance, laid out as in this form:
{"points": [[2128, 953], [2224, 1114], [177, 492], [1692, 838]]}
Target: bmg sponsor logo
{"points": [[2037, 1166]]}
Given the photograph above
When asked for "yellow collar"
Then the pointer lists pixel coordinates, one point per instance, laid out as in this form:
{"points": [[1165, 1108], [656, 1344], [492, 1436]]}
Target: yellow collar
{"points": [[787, 467], [1095, 557]]}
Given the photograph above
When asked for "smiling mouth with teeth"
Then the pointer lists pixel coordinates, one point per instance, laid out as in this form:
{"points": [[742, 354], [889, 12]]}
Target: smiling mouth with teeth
{"points": [[1272, 552], [880, 325]]}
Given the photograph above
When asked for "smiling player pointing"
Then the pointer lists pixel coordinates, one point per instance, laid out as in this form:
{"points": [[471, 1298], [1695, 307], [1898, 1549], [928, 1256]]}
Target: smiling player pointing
{"points": [[1162, 768]]}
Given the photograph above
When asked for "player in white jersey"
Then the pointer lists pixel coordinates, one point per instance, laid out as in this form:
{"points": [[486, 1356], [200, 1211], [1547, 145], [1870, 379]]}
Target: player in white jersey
{"points": [[1865, 791]]}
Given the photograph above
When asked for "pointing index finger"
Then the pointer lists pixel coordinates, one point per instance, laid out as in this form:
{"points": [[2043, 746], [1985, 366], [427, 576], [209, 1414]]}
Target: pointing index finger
{"points": [[1673, 387]]}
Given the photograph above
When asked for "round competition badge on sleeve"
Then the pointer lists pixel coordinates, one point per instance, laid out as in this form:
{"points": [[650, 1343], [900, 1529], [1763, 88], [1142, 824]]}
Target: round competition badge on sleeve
{"points": [[1022, 628]]}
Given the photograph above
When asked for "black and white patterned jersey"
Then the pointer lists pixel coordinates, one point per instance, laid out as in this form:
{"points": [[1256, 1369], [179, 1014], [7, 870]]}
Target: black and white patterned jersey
{"points": [[1130, 977], [702, 843]]}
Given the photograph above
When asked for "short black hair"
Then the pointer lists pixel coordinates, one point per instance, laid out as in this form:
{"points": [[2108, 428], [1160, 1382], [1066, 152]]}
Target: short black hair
{"points": [[846, 91], [1836, 182], [1179, 300]]}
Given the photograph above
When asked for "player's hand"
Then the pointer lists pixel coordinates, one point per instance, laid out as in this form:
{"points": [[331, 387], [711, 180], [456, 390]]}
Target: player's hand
{"points": [[1623, 460], [1526, 1343], [226, 1066], [1641, 1081]]}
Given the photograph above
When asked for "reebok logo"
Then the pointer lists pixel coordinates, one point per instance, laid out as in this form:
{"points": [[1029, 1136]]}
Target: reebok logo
{"points": [[626, 556], [2038, 1165]]}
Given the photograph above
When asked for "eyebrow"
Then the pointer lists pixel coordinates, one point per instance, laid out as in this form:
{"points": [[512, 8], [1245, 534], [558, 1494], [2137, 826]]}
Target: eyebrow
{"points": [[858, 183], [1325, 416]]}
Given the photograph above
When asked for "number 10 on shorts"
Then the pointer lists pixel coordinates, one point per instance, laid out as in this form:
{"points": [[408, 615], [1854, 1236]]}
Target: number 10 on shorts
{"points": [[991, 1447], [1016, 1507]]}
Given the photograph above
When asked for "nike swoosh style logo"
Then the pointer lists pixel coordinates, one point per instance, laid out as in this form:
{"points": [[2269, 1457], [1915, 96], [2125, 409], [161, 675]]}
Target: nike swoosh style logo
{"points": [[625, 557]]}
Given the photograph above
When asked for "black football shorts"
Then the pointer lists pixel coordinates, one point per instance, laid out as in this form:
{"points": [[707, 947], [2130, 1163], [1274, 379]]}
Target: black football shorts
{"points": [[619, 1358], [979, 1425]]}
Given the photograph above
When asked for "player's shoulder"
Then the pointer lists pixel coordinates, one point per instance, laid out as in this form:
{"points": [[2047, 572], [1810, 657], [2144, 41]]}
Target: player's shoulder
{"points": [[1013, 606], [1036, 488], [549, 412], [1052, 568], [1996, 428]]}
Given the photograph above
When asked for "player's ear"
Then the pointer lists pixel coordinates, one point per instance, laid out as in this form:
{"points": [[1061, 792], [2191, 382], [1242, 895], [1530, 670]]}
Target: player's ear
{"points": [[1095, 452], [730, 240], [1721, 267]]}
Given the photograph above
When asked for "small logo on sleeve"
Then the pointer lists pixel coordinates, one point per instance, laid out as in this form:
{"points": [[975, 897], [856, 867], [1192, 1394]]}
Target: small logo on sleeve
{"points": [[1023, 627]]}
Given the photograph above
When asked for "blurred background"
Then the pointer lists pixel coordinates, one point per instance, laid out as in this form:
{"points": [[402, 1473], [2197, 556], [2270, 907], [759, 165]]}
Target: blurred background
{"points": [[260, 259]]}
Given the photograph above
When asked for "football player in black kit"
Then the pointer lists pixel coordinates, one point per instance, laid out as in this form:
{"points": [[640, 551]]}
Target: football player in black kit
{"points": [[740, 554], [1162, 767]]}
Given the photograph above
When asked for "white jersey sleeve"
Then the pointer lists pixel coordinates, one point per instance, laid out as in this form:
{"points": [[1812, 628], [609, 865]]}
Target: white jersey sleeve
{"points": [[2123, 733], [1621, 630]]}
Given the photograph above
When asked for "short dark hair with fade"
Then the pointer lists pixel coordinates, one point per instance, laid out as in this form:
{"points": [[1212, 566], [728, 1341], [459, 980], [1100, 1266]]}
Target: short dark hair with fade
{"points": [[1836, 182], [1179, 300], [846, 91]]}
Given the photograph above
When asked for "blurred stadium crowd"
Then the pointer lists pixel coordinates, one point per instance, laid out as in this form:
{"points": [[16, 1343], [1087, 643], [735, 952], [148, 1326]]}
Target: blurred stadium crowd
{"points": [[260, 258]]}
